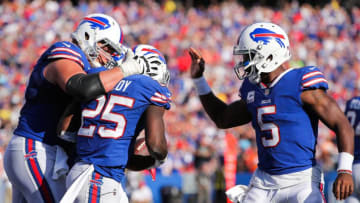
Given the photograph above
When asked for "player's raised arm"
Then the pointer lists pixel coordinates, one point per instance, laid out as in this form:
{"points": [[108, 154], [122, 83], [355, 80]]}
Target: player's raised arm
{"points": [[332, 116], [224, 116]]}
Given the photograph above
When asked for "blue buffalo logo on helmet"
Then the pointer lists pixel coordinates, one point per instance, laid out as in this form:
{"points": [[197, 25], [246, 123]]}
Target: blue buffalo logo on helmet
{"points": [[147, 51], [97, 22], [265, 35]]}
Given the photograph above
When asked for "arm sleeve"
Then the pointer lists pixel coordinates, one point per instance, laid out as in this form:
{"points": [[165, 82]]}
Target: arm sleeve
{"points": [[85, 87], [66, 50], [156, 94], [313, 78]]}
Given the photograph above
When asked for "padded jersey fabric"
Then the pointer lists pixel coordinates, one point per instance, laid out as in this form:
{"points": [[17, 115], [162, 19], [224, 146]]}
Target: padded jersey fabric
{"points": [[45, 102], [286, 133], [112, 122]]}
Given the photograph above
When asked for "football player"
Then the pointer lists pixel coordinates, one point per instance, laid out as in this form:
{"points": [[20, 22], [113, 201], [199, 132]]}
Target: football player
{"points": [[58, 77], [352, 112], [110, 125], [284, 106]]}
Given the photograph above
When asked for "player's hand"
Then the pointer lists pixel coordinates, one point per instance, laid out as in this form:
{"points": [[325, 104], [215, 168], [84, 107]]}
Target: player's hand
{"points": [[343, 186], [197, 64], [130, 66]]}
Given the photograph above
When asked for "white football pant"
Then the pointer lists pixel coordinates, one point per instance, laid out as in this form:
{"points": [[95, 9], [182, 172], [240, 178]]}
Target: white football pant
{"points": [[96, 188], [299, 187], [29, 166]]}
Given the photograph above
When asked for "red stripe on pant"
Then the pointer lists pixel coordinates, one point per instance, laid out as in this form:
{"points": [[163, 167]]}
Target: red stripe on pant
{"points": [[37, 173], [322, 191], [95, 188]]}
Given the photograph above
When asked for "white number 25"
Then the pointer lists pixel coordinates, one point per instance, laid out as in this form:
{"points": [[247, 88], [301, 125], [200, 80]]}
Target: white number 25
{"points": [[105, 108]]}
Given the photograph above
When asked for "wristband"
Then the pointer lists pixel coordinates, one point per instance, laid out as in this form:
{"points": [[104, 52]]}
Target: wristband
{"points": [[201, 86], [345, 161]]}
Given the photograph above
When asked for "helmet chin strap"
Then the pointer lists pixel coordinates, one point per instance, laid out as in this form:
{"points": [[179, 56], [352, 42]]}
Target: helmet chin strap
{"points": [[254, 76], [92, 56]]}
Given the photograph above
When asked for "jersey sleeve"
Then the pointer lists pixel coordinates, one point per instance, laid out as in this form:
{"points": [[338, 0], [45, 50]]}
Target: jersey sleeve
{"points": [[161, 99], [313, 78], [157, 94], [66, 50]]}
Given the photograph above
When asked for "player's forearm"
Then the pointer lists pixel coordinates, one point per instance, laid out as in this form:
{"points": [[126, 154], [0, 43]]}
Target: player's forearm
{"points": [[212, 105], [345, 138], [215, 108], [341, 126], [345, 143], [85, 87], [157, 147], [110, 78], [225, 115], [158, 154], [331, 115], [222, 114], [155, 132]]}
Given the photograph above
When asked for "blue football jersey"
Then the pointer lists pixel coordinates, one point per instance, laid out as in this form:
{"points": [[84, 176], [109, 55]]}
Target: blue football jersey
{"points": [[285, 132], [352, 111], [45, 102], [111, 123]]}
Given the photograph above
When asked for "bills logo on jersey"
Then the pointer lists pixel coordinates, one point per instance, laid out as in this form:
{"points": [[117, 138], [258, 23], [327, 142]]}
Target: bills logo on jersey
{"points": [[265, 35], [97, 22]]}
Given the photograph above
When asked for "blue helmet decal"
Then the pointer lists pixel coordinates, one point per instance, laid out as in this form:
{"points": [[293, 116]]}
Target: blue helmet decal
{"points": [[265, 35], [152, 51], [97, 22]]}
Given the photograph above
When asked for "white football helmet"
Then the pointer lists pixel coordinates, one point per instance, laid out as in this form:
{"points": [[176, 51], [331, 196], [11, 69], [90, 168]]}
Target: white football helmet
{"points": [[153, 63], [264, 47], [96, 28]]}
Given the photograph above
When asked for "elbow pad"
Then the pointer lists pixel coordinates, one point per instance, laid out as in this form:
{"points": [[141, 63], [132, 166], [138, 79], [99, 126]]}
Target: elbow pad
{"points": [[85, 87]]}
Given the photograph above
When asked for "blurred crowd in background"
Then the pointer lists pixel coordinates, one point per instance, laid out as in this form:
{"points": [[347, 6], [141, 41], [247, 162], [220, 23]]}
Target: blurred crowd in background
{"points": [[327, 37]]}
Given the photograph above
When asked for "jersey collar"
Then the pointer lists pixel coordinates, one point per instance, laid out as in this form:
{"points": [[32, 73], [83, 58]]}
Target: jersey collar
{"points": [[279, 77]]}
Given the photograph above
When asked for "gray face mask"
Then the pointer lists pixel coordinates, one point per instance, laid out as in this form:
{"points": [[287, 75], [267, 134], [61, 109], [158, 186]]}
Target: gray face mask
{"points": [[246, 68], [154, 68]]}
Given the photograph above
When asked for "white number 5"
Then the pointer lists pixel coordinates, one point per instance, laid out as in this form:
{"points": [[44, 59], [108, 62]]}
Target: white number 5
{"points": [[268, 126]]}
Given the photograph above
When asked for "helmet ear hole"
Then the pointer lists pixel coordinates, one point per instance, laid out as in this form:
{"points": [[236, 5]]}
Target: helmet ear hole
{"points": [[87, 36], [269, 58]]}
